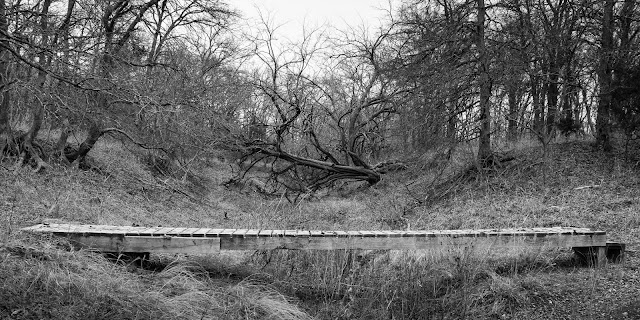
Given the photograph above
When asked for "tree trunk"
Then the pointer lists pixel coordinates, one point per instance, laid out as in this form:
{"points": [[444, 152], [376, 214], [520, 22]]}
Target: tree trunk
{"points": [[334, 171], [106, 65], [567, 94], [5, 97], [452, 118], [38, 108], [587, 106], [37, 113], [484, 147], [65, 130], [576, 108], [538, 112], [95, 132], [512, 116], [552, 98], [603, 121], [154, 50]]}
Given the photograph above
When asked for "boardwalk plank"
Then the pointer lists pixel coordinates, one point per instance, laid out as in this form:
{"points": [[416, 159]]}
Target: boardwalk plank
{"points": [[201, 232], [214, 233], [290, 233], [369, 234], [252, 233], [303, 233], [265, 233], [239, 233], [147, 231], [129, 238], [164, 231], [227, 233], [316, 233], [187, 232]]}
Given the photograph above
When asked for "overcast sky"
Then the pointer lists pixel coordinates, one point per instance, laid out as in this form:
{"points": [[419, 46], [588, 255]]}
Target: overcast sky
{"points": [[338, 13]]}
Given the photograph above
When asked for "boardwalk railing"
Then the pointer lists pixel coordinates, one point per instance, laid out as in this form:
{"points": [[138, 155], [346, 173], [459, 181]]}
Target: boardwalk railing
{"points": [[208, 240]]}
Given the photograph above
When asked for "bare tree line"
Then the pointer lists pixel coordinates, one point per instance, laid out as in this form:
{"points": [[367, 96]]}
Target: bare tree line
{"points": [[176, 78]]}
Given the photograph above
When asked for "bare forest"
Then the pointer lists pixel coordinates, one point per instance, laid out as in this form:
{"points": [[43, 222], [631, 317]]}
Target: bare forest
{"points": [[185, 112], [182, 81]]}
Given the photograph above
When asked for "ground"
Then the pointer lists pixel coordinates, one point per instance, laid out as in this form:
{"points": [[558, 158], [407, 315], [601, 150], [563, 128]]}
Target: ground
{"points": [[576, 186]]}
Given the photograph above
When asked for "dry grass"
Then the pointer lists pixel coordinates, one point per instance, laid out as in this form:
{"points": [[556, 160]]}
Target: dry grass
{"points": [[453, 283], [46, 280]]}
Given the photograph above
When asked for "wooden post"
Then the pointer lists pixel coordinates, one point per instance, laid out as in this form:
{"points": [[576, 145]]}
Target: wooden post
{"points": [[602, 256]]}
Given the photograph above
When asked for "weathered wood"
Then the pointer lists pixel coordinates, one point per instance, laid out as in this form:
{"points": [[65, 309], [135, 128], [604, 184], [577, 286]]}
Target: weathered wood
{"points": [[202, 232], [303, 233], [189, 232], [602, 256], [203, 240], [113, 243], [291, 233], [214, 232], [142, 232], [315, 243], [367, 234], [227, 233], [316, 233], [156, 231], [179, 232], [239, 233], [265, 233], [405, 243], [334, 170], [252, 233], [164, 231]]}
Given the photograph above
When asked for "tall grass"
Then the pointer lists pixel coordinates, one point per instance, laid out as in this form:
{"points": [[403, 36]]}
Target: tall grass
{"points": [[44, 282], [452, 283]]}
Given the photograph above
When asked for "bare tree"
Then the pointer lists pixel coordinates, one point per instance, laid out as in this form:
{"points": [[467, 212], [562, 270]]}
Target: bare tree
{"points": [[6, 136], [484, 146], [603, 122], [438, 66], [169, 16], [28, 150], [119, 20]]}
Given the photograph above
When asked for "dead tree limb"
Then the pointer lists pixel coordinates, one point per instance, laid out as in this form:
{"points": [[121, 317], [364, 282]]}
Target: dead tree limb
{"points": [[333, 171], [134, 141]]}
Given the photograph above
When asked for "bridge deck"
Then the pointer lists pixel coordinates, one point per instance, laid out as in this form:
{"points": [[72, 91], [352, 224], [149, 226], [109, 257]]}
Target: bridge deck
{"points": [[207, 240]]}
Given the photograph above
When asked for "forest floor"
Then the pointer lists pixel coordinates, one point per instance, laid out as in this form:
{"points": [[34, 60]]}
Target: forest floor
{"points": [[575, 186]]}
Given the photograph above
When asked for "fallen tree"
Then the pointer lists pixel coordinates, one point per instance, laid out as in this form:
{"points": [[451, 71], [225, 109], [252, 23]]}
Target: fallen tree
{"points": [[309, 129], [329, 172]]}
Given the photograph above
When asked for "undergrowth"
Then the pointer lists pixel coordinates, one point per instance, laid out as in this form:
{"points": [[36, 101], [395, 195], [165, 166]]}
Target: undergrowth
{"points": [[41, 278], [454, 283], [41, 282]]}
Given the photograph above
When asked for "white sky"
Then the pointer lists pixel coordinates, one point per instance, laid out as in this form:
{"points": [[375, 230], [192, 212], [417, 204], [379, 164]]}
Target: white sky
{"points": [[294, 13]]}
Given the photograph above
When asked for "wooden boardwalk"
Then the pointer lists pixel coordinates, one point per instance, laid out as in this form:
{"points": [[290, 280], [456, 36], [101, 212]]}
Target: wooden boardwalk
{"points": [[209, 240]]}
